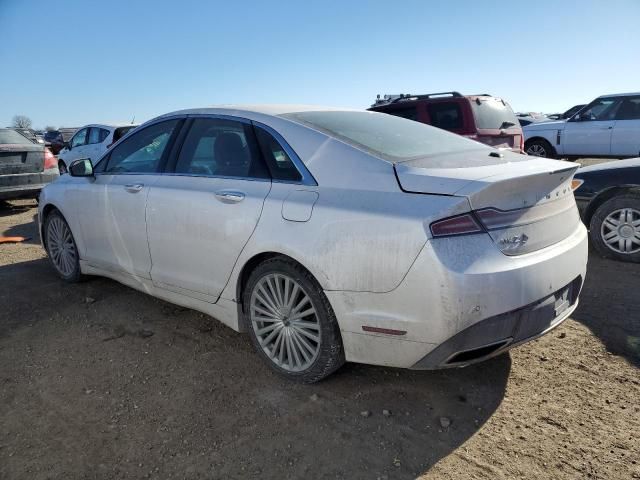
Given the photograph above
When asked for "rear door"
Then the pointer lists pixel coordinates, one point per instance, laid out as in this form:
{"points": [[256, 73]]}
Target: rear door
{"points": [[202, 212], [625, 138], [589, 133]]}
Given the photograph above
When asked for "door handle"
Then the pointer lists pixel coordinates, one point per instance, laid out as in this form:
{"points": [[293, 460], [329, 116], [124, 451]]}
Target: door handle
{"points": [[229, 196], [133, 187], [606, 128]]}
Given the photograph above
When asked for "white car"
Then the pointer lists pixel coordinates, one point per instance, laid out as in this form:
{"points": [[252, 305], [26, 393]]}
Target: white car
{"points": [[607, 127], [91, 141], [328, 235]]}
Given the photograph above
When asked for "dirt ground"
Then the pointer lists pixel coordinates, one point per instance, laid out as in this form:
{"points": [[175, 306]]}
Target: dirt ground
{"points": [[100, 381]]}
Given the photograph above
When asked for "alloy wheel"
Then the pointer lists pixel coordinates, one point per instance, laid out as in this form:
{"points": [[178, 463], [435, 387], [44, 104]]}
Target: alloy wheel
{"points": [[285, 322], [62, 249], [620, 231], [537, 150]]}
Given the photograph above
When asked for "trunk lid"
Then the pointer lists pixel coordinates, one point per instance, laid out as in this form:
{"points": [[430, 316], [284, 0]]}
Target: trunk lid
{"points": [[524, 203], [16, 159]]}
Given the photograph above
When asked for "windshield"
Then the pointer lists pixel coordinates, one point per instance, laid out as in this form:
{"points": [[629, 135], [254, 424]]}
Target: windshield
{"points": [[387, 136], [13, 137], [492, 113]]}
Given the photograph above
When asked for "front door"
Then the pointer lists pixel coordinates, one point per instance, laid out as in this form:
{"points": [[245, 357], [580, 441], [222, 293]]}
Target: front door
{"points": [[201, 214], [589, 132], [112, 208]]}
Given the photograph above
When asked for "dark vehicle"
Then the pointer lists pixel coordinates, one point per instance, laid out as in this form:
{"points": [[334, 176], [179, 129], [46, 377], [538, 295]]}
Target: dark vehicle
{"points": [[608, 197], [484, 118], [56, 139], [120, 132], [25, 167]]}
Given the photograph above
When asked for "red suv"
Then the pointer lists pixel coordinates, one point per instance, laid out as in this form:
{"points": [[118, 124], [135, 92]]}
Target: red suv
{"points": [[484, 118]]}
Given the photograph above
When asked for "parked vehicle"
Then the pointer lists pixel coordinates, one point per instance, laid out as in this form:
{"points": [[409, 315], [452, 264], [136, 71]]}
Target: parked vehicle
{"points": [[25, 167], [54, 140], [525, 120], [328, 235], [607, 127], [608, 197], [28, 134], [91, 141], [484, 118]]}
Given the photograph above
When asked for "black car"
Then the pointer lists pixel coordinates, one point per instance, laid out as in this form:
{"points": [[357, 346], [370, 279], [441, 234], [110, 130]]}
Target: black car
{"points": [[25, 167], [609, 203]]}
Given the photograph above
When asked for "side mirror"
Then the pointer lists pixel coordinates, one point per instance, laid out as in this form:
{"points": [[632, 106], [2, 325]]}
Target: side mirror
{"points": [[81, 168]]}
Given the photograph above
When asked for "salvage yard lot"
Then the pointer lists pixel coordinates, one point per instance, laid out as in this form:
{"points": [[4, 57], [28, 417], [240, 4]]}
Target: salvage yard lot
{"points": [[101, 381]]}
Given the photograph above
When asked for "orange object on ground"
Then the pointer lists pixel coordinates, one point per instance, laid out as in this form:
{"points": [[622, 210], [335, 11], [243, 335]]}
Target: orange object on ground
{"points": [[13, 239]]}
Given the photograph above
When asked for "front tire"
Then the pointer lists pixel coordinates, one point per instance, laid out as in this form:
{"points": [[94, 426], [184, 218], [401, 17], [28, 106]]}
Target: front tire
{"points": [[291, 323], [540, 148], [61, 247], [615, 228]]}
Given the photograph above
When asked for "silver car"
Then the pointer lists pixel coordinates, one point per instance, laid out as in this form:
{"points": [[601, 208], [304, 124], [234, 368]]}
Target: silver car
{"points": [[328, 235]]}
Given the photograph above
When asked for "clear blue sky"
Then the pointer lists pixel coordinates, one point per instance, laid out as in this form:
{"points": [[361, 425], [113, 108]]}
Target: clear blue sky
{"points": [[68, 63]]}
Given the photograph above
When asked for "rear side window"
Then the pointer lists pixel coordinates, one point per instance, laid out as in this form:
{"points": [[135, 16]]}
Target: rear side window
{"points": [[13, 137], [630, 109], [445, 115], [97, 135], [410, 113], [278, 161], [216, 147], [493, 113], [142, 152]]}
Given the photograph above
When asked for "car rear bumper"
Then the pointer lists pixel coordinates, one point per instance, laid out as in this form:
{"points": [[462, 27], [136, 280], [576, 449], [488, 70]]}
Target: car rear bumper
{"points": [[25, 185], [460, 295]]}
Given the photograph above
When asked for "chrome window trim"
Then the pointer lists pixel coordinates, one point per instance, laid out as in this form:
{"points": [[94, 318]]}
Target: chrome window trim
{"points": [[305, 174]]}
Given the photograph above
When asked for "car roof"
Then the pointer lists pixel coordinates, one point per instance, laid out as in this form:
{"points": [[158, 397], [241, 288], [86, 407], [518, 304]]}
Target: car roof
{"points": [[620, 95], [261, 109], [108, 125]]}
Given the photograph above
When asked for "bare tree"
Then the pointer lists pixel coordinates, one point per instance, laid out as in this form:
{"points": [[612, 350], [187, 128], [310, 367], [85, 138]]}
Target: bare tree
{"points": [[21, 121]]}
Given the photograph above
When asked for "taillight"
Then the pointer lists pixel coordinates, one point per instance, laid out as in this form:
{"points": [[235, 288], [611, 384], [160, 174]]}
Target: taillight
{"points": [[50, 161], [458, 225]]}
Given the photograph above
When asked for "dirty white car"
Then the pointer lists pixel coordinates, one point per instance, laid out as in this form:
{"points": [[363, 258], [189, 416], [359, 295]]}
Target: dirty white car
{"points": [[328, 235]]}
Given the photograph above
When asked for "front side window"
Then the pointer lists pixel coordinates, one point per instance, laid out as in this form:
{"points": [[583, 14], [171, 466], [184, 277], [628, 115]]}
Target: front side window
{"points": [[445, 115], [280, 164], [216, 147], [601, 109], [79, 138], [389, 137], [629, 109], [142, 152]]}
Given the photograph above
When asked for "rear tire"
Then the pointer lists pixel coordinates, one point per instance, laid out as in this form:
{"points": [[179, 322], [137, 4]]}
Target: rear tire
{"points": [[290, 321], [539, 148], [612, 230], [61, 247]]}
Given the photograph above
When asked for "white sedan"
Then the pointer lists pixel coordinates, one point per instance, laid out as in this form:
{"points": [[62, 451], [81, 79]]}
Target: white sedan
{"points": [[328, 235]]}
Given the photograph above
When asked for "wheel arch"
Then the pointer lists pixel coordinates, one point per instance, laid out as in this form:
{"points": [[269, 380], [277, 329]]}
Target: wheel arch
{"points": [[249, 266], [528, 141], [605, 195], [46, 211]]}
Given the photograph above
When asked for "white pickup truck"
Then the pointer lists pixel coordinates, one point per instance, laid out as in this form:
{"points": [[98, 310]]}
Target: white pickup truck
{"points": [[607, 127]]}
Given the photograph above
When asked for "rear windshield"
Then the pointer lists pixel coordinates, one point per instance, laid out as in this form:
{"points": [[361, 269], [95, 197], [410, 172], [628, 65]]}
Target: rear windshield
{"points": [[387, 136], [13, 137], [492, 113]]}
